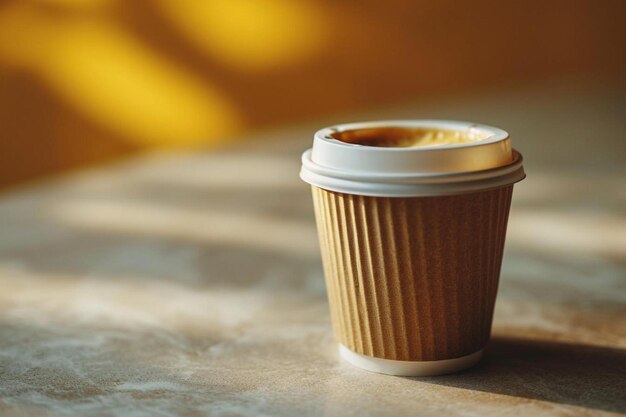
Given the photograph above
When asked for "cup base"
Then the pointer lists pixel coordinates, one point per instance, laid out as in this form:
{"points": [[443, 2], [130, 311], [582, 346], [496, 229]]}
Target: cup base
{"points": [[409, 368]]}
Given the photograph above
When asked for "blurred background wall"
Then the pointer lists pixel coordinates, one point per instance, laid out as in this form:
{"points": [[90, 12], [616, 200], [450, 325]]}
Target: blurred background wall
{"points": [[84, 81]]}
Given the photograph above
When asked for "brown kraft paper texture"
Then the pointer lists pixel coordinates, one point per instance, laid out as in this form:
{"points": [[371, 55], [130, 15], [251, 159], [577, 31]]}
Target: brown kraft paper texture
{"points": [[412, 279]]}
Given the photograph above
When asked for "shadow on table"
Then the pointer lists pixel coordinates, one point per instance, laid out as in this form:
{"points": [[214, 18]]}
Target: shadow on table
{"points": [[584, 376]]}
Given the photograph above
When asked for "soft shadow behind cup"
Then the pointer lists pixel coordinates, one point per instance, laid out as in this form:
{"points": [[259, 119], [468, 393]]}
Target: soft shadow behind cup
{"points": [[412, 217]]}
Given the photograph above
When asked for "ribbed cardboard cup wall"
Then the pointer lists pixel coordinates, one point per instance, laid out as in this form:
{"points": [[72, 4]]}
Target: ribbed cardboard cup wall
{"points": [[412, 279]]}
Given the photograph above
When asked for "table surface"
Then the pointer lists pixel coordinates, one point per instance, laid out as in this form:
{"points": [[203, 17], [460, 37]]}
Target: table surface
{"points": [[191, 283]]}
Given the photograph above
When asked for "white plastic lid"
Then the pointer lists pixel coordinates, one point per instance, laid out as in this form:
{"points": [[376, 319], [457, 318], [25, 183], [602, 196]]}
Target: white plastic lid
{"points": [[433, 170]]}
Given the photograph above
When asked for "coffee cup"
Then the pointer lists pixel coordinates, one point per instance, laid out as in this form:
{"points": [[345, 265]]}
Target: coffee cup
{"points": [[411, 218]]}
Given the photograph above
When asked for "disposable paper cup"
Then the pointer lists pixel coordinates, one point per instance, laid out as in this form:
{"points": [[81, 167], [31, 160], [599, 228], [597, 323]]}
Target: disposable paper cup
{"points": [[411, 241]]}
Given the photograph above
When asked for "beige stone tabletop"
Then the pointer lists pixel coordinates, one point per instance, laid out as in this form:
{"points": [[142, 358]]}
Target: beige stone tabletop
{"points": [[191, 284]]}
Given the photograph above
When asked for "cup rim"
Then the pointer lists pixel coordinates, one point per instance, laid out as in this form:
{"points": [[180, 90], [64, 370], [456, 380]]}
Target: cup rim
{"points": [[495, 134], [411, 171]]}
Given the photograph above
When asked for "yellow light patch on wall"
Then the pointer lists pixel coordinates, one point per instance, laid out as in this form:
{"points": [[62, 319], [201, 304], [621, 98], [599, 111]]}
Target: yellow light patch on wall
{"points": [[116, 81], [78, 4], [251, 35]]}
